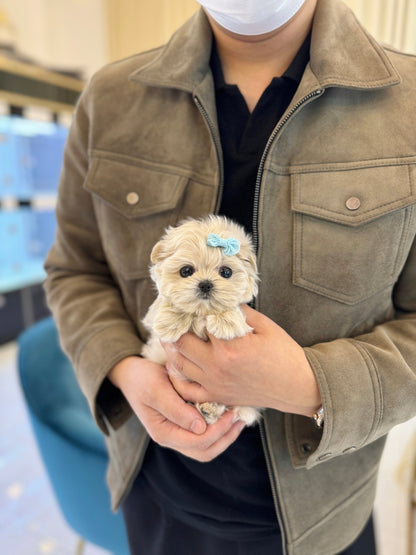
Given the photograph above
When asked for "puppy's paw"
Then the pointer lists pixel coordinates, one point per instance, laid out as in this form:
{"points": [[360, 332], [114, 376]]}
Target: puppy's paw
{"points": [[211, 411], [227, 325], [169, 327], [167, 334], [249, 415]]}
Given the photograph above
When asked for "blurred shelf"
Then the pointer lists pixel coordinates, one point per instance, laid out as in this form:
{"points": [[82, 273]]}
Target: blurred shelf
{"points": [[36, 105], [23, 84]]}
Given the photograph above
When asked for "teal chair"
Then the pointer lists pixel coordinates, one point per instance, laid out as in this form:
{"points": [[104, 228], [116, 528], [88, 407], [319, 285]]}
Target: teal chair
{"points": [[70, 443]]}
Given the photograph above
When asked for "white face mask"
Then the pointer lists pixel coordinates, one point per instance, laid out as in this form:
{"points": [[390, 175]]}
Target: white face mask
{"points": [[251, 17]]}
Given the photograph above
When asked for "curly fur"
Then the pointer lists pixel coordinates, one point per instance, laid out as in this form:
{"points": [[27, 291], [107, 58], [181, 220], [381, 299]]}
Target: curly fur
{"points": [[204, 300]]}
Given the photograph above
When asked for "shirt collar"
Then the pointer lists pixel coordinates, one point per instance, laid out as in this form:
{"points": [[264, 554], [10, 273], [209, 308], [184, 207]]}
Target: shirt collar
{"points": [[294, 72], [342, 54]]}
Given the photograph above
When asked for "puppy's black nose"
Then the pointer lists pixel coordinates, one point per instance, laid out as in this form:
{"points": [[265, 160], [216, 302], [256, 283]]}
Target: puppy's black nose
{"points": [[205, 286]]}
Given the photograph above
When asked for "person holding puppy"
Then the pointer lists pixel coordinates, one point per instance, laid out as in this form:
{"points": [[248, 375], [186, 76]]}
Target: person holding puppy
{"points": [[287, 117]]}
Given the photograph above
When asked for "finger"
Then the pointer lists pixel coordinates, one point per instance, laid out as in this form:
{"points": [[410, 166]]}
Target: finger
{"points": [[193, 348], [168, 434], [222, 443], [180, 365], [192, 392], [205, 447], [176, 360], [174, 409], [213, 433]]}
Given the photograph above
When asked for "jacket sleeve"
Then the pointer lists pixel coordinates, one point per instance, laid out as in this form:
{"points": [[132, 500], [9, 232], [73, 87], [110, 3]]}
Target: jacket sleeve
{"points": [[94, 328], [367, 383]]}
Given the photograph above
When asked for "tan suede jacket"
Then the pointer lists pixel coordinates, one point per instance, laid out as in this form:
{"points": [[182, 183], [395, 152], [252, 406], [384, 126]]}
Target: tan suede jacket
{"points": [[335, 222]]}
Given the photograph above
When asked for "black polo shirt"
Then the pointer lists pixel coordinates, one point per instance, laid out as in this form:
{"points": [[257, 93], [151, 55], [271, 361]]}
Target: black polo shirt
{"points": [[229, 496], [244, 135]]}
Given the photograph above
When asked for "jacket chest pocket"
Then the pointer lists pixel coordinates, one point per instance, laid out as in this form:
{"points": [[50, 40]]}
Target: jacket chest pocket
{"points": [[353, 229], [133, 205]]}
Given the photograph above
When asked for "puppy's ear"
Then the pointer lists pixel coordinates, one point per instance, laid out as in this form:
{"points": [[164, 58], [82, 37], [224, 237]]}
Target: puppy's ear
{"points": [[158, 252], [249, 259], [248, 256]]}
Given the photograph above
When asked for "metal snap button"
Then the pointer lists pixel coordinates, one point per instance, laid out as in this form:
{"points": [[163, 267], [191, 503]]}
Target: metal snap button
{"points": [[353, 203], [132, 198], [349, 450], [325, 457]]}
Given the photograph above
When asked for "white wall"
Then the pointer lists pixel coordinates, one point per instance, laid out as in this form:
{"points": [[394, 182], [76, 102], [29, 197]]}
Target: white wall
{"points": [[390, 21], [68, 34], [73, 34]]}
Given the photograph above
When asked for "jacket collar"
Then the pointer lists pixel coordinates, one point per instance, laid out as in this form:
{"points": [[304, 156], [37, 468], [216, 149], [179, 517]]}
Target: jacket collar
{"points": [[342, 54], [184, 61]]}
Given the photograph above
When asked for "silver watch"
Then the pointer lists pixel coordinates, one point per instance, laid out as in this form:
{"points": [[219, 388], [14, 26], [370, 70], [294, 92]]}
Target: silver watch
{"points": [[318, 417]]}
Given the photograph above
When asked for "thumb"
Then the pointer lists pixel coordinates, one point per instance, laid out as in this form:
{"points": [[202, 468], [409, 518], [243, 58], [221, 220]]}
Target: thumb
{"points": [[181, 413], [192, 392]]}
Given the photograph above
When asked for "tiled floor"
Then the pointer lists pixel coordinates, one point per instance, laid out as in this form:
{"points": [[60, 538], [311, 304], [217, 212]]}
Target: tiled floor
{"points": [[30, 521]]}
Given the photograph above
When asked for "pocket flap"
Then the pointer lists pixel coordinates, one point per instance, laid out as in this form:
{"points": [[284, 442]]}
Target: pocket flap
{"points": [[134, 191], [354, 196]]}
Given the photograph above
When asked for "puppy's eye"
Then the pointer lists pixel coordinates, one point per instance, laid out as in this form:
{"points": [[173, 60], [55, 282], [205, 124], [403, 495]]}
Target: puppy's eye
{"points": [[186, 271], [225, 272]]}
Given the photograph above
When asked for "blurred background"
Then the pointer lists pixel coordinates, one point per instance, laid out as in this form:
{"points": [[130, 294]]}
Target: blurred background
{"points": [[48, 49]]}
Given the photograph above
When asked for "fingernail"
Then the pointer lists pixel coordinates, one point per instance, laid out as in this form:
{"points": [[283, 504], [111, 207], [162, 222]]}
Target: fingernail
{"points": [[198, 427], [169, 347]]}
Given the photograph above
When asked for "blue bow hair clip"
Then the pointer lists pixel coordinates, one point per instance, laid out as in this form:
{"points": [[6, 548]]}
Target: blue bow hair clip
{"points": [[229, 246]]}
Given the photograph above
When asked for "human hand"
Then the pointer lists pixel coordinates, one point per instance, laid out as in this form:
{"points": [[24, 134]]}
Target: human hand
{"points": [[266, 368], [168, 419]]}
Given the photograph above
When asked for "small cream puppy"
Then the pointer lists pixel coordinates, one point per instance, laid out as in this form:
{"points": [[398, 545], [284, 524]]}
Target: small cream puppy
{"points": [[203, 270]]}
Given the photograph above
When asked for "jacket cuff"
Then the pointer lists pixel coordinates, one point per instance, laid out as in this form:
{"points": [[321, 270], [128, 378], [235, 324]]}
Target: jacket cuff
{"points": [[95, 360], [351, 398]]}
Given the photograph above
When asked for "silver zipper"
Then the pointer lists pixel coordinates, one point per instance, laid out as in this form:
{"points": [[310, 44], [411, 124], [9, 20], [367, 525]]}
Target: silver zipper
{"points": [[273, 486], [218, 149], [269, 143], [276, 131]]}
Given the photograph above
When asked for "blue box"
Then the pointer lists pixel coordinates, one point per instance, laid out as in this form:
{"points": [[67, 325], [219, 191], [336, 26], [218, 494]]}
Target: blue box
{"points": [[46, 151], [40, 233], [12, 247], [31, 154], [15, 178]]}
